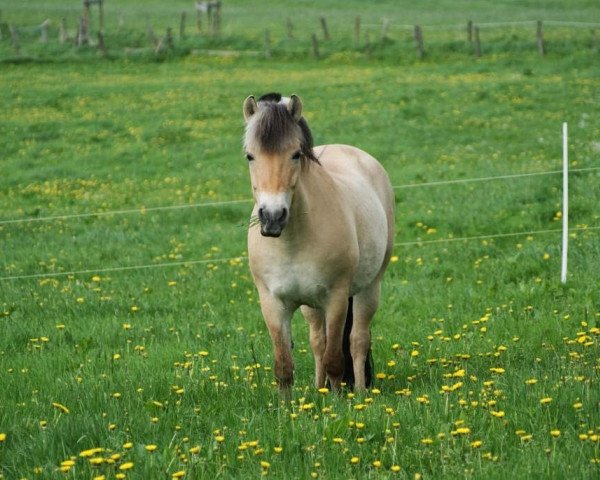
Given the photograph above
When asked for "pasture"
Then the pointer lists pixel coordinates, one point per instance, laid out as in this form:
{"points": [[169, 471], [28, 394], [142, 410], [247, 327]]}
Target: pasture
{"points": [[132, 344]]}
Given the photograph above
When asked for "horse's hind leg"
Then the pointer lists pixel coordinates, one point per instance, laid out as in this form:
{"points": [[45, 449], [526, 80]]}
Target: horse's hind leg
{"points": [[365, 305], [318, 340]]}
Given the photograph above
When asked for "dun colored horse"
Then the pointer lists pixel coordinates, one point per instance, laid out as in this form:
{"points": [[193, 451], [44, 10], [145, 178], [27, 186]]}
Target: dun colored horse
{"points": [[326, 218]]}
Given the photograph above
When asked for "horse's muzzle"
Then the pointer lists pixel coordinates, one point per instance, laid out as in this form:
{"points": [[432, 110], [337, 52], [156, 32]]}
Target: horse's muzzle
{"points": [[272, 222]]}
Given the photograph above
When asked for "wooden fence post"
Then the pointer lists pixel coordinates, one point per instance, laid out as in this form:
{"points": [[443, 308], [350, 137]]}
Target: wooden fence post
{"points": [[101, 15], [82, 33], [477, 42], [150, 33], [357, 31], [101, 45], [267, 44], [14, 35], [384, 29], [324, 27], [419, 42], [182, 25], [540, 38], [315, 45], [470, 31], [44, 31], [63, 36]]}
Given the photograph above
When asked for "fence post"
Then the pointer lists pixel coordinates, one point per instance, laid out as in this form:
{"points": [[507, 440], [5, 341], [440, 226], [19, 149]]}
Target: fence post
{"points": [[267, 44], [477, 42], [419, 42], [540, 38], [14, 35], [101, 45], [470, 31], [315, 45], [182, 25], [63, 36], [565, 213], [324, 27], [384, 29], [101, 15], [151, 35], [44, 31], [357, 31], [82, 33]]}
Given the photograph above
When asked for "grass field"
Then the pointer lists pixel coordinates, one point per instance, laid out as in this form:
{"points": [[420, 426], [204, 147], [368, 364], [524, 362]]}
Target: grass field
{"points": [[487, 365]]}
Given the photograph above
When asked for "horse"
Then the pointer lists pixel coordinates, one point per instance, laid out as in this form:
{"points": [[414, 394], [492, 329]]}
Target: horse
{"points": [[320, 239]]}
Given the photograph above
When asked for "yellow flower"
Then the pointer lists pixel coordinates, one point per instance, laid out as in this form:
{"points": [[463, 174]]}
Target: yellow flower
{"points": [[555, 433], [150, 448], [195, 450], [395, 468], [60, 407], [2, 437], [476, 444], [126, 466], [354, 460], [426, 441], [91, 452], [265, 464], [377, 463], [546, 400], [220, 438], [277, 449], [323, 390], [531, 381], [128, 446], [179, 474]]}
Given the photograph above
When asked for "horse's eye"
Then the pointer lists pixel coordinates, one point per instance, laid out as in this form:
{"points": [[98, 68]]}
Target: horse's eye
{"points": [[296, 156], [249, 157]]}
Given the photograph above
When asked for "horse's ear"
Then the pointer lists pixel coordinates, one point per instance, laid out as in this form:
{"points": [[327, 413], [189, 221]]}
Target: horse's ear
{"points": [[295, 107], [250, 107]]}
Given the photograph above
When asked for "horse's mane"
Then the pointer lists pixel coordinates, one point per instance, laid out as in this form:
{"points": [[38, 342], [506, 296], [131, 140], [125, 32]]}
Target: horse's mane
{"points": [[275, 127]]}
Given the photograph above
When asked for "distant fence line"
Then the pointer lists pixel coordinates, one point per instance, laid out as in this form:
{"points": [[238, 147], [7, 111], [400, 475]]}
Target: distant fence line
{"points": [[209, 20], [222, 203], [206, 261]]}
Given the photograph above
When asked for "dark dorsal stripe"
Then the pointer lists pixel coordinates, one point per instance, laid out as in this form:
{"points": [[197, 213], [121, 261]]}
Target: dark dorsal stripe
{"points": [[276, 125]]}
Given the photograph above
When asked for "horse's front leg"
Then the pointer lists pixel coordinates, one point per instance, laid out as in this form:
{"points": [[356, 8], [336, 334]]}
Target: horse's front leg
{"points": [[318, 340], [333, 359], [278, 316]]}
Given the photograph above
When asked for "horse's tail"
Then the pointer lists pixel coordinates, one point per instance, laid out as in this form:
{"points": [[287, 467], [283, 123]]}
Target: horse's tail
{"points": [[348, 377]]}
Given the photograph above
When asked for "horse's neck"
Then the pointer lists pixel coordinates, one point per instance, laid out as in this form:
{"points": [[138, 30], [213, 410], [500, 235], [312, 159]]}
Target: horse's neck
{"points": [[311, 194]]}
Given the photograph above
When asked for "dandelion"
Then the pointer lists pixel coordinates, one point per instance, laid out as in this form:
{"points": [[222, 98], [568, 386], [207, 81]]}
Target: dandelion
{"points": [[195, 450], [277, 449], [91, 452], [395, 468], [546, 400], [179, 474], [126, 466], [531, 381], [377, 463], [219, 438], [128, 446], [555, 433], [323, 391], [355, 460], [426, 441], [150, 448], [476, 444], [61, 407], [497, 414], [2, 437]]}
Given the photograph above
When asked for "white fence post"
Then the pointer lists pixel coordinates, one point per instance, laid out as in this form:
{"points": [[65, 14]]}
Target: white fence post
{"points": [[565, 212]]}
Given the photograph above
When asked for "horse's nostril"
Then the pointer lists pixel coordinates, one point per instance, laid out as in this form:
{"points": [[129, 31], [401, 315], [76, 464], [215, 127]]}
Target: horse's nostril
{"points": [[283, 214], [261, 213]]}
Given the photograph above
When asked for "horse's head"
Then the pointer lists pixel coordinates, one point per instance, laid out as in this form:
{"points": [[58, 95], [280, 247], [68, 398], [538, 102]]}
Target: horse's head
{"points": [[278, 144]]}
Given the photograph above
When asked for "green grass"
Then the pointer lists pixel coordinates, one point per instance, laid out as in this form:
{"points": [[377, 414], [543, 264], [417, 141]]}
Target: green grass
{"points": [[178, 356]]}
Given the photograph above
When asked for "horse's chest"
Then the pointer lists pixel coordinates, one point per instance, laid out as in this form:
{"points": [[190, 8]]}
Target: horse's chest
{"points": [[296, 283]]}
